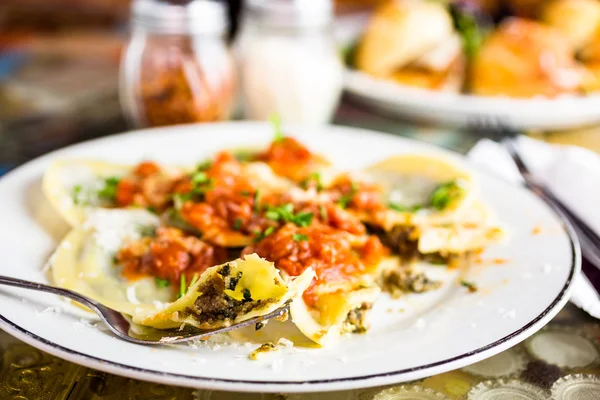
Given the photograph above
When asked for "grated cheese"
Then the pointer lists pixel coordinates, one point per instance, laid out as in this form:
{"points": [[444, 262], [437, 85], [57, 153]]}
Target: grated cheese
{"points": [[50, 310], [285, 343]]}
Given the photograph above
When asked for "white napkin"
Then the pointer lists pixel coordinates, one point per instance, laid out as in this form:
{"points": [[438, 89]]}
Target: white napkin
{"points": [[573, 175]]}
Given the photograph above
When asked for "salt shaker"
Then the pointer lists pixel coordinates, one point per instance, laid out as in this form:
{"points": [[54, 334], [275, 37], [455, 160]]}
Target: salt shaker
{"points": [[288, 61], [177, 67]]}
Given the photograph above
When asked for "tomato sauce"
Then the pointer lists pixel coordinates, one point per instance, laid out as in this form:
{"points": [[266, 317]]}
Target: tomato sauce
{"points": [[169, 255], [331, 253], [291, 159]]}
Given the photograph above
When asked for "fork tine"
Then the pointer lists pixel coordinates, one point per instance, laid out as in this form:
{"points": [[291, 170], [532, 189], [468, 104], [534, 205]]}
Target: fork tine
{"points": [[509, 145], [493, 126]]}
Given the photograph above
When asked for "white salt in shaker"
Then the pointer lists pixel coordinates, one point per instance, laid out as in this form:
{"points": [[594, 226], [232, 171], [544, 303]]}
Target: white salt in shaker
{"points": [[289, 62]]}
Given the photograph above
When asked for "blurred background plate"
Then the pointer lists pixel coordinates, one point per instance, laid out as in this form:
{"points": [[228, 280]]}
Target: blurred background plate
{"points": [[462, 110], [455, 109]]}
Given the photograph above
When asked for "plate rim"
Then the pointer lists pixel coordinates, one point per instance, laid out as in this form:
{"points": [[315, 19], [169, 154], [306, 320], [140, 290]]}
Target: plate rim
{"points": [[352, 74], [333, 384], [460, 109]]}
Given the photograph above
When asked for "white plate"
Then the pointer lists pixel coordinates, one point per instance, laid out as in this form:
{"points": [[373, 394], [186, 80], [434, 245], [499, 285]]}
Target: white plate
{"points": [[464, 110], [460, 110], [436, 332]]}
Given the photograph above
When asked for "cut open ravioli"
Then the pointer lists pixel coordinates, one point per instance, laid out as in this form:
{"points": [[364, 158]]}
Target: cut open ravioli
{"points": [[334, 313], [227, 294]]}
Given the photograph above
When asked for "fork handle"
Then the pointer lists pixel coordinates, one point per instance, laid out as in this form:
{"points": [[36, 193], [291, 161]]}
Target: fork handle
{"points": [[40, 287]]}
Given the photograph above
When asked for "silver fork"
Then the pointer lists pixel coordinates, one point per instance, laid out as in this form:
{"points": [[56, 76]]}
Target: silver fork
{"points": [[121, 325]]}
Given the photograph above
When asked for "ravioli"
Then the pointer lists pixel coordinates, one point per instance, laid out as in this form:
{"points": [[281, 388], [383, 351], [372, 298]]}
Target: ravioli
{"points": [[334, 313], [83, 261], [475, 229], [63, 176], [224, 294], [328, 241], [409, 180], [463, 225], [227, 294]]}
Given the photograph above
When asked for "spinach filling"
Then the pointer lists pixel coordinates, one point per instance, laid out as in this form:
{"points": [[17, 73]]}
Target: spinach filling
{"points": [[215, 306]]}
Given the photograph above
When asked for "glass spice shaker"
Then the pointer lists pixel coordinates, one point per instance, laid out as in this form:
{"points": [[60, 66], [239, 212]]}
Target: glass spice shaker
{"points": [[177, 67], [289, 62]]}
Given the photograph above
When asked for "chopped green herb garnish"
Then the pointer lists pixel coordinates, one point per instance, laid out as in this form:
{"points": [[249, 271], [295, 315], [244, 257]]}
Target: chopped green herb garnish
{"points": [[299, 237], [272, 214], [200, 188], [469, 285], [256, 203], [237, 224], [182, 286], [346, 199], [261, 235], [174, 219], [245, 193], [323, 213], [161, 283], [201, 183], [152, 209], [314, 177], [468, 27], [244, 155], [276, 123], [194, 280], [109, 191], [349, 53], [180, 198], [147, 230], [285, 213], [444, 194], [437, 259], [77, 195], [204, 165], [403, 208], [200, 177], [247, 294], [303, 219]]}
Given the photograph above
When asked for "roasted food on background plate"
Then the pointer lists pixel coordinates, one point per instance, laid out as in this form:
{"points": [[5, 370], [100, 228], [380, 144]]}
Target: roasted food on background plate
{"points": [[520, 49], [591, 57], [523, 58], [525, 8], [413, 43], [578, 20]]}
